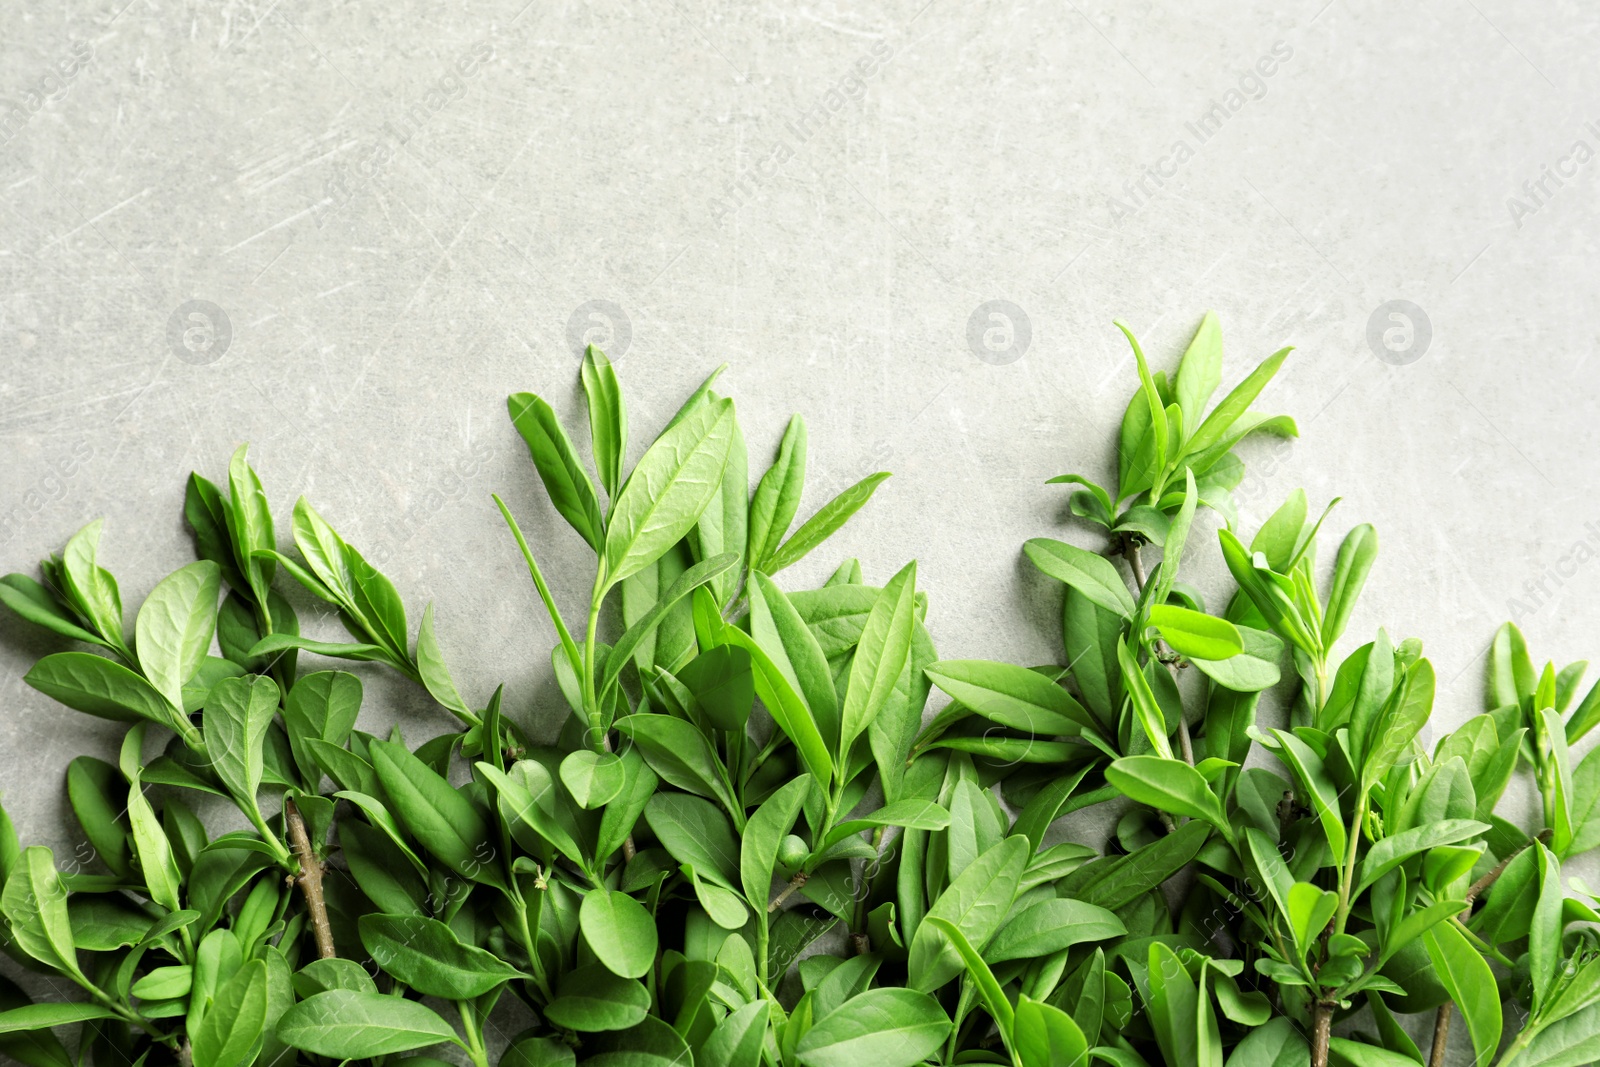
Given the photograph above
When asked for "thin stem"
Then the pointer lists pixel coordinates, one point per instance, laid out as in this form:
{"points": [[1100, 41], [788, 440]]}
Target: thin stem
{"points": [[567, 643], [469, 1025], [1347, 875], [310, 880], [788, 891], [1130, 552], [591, 701]]}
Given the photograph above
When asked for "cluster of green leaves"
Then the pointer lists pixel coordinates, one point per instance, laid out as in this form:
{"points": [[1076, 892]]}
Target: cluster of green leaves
{"points": [[749, 845]]}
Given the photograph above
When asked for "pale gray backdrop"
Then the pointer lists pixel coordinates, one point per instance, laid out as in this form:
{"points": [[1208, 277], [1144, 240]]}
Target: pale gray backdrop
{"points": [[395, 214]]}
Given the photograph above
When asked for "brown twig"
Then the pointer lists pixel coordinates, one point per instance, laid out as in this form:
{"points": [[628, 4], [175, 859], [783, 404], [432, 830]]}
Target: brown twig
{"points": [[1321, 1031], [310, 880], [788, 891]]}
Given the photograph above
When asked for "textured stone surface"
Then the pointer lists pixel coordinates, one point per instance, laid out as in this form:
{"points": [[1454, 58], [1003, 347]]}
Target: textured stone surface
{"points": [[821, 195]]}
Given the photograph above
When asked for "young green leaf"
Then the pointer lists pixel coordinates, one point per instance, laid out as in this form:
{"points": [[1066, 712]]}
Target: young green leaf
{"points": [[608, 418], [1194, 634], [557, 462], [174, 627], [777, 497], [821, 526], [1089, 573], [668, 489]]}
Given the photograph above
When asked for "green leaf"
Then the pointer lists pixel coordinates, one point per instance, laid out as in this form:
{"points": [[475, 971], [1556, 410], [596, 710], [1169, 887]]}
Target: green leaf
{"points": [[91, 587], [34, 902], [175, 625], [977, 902], [1088, 572], [231, 1030], [1253, 669], [778, 628], [668, 489], [99, 796], [1315, 786], [608, 418], [1356, 555], [762, 836], [786, 707], [993, 997], [435, 673], [1046, 1036], [777, 497], [1159, 429], [695, 832], [1050, 926], [737, 1040], [1277, 1044], [723, 685], [591, 999], [238, 714], [1195, 634], [1236, 403], [915, 814], [1168, 785], [1401, 720], [557, 462], [249, 521], [1362, 1055], [1172, 546], [620, 931], [1146, 709], [1390, 852], [97, 686], [44, 1016], [39, 606], [347, 1024], [1200, 371], [1467, 977], [821, 526], [679, 753], [321, 706], [1012, 696], [446, 823], [426, 955], [593, 778], [1308, 910], [883, 1027], [686, 583], [879, 659]]}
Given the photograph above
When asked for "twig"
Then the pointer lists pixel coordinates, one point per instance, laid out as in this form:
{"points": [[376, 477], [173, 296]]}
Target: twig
{"points": [[310, 880], [1321, 1031], [795, 883], [1441, 1035], [1130, 552]]}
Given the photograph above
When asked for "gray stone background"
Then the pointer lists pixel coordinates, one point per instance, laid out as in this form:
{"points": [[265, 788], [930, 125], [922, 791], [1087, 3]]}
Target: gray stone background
{"points": [[405, 212]]}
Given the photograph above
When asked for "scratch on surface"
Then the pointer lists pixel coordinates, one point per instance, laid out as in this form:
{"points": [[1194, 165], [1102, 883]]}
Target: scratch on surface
{"points": [[90, 222], [337, 288], [296, 217]]}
